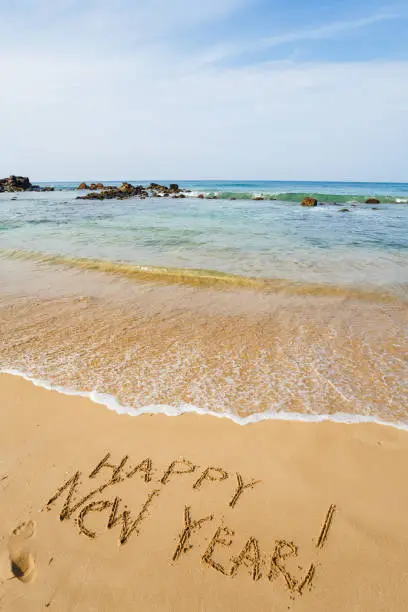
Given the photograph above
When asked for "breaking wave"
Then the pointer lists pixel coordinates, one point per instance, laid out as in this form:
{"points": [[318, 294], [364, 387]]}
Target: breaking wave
{"points": [[111, 403], [328, 198], [200, 277]]}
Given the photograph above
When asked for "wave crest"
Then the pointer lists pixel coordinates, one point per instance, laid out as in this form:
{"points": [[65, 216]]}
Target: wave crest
{"points": [[201, 277]]}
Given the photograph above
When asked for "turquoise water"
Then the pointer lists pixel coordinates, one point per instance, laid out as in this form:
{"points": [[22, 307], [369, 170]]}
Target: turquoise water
{"points": [[272, 238], [285, 191]]}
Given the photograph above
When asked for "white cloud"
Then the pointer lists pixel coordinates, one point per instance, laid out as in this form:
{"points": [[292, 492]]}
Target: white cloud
{"points": [[78, 119], [102, 25], [326, 31], [74, 111]]}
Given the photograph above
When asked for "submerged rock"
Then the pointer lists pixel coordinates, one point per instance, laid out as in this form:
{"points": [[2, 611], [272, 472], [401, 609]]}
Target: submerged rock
{"points": [[344, 210], [309, 202], [372, 201]]}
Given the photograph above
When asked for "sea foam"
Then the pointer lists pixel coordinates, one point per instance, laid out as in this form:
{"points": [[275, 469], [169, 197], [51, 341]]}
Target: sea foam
{"points": [[111, 403]]}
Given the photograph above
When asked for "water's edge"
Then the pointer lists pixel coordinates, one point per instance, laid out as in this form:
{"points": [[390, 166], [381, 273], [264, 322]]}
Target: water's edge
{"points": [[111, 403], [204, 277]]}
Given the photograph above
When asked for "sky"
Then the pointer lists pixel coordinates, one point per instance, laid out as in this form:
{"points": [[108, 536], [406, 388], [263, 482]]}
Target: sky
{"points": [[204, 89]]}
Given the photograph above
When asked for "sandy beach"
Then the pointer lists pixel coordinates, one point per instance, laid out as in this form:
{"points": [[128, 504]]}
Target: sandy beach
{"points": [[195, 512], [203, 306]]}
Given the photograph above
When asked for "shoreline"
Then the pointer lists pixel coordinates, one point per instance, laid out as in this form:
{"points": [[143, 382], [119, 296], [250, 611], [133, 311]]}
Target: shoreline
{"points": [[212, 278], [155, 346], [111, 403], [296, 532]]}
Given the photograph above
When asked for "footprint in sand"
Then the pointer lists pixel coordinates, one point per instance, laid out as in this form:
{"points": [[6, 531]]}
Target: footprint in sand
{"points": [[21, 557]]}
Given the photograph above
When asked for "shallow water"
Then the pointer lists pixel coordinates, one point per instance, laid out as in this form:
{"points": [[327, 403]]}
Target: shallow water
{"points": [[269, 239], [259, 309], [237, 351]]}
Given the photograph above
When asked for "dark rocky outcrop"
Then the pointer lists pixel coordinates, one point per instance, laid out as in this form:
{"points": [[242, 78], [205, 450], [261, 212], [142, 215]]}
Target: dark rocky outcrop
{"points": [[372, 201], [162, 190], [92, 186], [131, 191], [309, 202], [125, 191], [15, 183]]}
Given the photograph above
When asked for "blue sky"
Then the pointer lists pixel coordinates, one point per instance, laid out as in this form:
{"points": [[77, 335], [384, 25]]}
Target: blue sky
{"points": [[215, 89]]}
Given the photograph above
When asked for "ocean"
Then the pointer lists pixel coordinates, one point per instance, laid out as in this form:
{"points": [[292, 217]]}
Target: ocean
{"points": [[271, 238], [235, 305]]}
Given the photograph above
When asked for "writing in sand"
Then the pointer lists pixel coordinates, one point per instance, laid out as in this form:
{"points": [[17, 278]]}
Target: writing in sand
{"points": [[80, 505]]}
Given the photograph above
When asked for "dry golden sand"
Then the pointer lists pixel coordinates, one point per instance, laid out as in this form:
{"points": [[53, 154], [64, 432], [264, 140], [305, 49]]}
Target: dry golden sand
{"points": [[324, 529]]}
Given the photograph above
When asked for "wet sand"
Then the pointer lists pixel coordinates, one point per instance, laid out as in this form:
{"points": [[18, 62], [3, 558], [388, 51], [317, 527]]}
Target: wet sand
{"points": [[321, 526], [237, 350]]}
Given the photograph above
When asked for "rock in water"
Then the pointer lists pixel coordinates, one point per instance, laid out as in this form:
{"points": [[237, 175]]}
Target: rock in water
{"points": [[131, 190], [127, 190], [309, 202], [161, 190], [372, 201], [15, 183], [121, 193]]}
